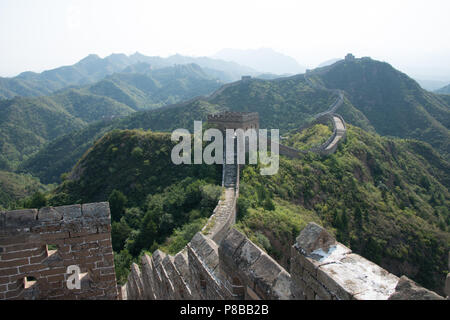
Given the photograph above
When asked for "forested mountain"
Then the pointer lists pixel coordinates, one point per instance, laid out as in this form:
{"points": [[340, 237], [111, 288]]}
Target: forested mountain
{"points": [[378, 98], [394, 103], [14, 187], [26, 124], [386, 198], [444, 90], [93, 68]]}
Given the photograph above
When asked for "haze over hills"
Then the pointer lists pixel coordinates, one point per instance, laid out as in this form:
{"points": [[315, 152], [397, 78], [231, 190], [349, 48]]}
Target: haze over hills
{"points": [[328, 62], [384, 192], [93, 68], [378, 99], [28, 123], [444, 90], [264, 59]]}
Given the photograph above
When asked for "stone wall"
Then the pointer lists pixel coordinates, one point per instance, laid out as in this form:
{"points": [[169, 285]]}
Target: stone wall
{"points": [[36, 247]]}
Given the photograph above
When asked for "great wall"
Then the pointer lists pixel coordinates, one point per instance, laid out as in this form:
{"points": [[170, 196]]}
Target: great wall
{"points": [[36, 247]]}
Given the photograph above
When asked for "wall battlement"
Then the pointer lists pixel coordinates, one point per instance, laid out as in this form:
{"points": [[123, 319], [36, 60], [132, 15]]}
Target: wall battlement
{"points": [[37, 246]]}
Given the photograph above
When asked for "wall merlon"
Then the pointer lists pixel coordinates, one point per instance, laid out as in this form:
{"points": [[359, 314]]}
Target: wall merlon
{"points": [[25, 240], [21, 219]]}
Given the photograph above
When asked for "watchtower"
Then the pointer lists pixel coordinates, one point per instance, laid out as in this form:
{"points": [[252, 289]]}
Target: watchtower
{"points": [[234, 120]]}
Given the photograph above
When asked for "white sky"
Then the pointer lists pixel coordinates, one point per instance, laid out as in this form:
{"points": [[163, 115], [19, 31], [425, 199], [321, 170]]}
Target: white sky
{"points": [[411, 35]]}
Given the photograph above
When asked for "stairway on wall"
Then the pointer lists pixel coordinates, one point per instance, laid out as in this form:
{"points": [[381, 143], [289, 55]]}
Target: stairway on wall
{"points": [[230, 170]]}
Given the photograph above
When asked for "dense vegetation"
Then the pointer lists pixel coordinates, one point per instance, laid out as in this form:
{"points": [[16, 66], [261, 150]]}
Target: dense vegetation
{"points": [[154, 203], [394, 104], [378, 98], [14, 187], [284, 104], [26, 124], [387, 199]]}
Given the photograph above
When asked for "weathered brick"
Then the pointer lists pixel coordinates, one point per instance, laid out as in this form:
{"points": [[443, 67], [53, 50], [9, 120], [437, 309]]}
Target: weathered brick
{"points": [[49, 214], [75, 240], [21, 218], [32, 268], [20, 247], [97, 237], [38, 259], [59, 277], [13, 263], [54, 271], [47, 237], [16, 239], [69, 212], [108, 277], [96, 210], [9, 271], [13, 294], [4, 280]]}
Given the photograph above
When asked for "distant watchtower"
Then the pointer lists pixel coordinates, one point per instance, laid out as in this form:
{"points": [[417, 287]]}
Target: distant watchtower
{"points": [[234, 120], [349, 57]]}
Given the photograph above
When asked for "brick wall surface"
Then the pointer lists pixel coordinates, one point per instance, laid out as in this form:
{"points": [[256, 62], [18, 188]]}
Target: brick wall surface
{"points": [[37, 247]]}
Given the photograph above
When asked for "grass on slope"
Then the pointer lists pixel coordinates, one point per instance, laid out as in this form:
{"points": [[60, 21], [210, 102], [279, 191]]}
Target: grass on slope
{"points": [[386, 198]]}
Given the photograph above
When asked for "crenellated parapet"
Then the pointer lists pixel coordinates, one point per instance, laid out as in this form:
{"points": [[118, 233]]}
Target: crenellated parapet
{"points": [[38, 246]]}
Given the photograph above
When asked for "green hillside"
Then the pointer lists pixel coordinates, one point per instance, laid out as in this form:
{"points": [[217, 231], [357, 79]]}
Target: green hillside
{"points": [[14, 187], [386, 198], [26, 124], [394, 104], [116, 96], [378, 99], [278, 106], [150, 197]]}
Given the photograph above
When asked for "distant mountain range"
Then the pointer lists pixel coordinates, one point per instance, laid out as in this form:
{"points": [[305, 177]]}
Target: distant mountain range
{"points": [[93, 68], [265, 60], [378, 99], [444, 90], [430, 85], [26, 123]]}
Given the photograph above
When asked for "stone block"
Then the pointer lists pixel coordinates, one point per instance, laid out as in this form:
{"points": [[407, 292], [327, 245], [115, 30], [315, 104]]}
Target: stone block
{"points": [[264, 272], [69, 213], [314, 237], [231, 243], [282, 286], [96, 210], [49, 214], [21, 218], [407, 289], [246, 255]]}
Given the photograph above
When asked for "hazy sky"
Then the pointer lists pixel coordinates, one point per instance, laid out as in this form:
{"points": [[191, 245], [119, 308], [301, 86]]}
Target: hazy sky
{"points": [[411, 35]]}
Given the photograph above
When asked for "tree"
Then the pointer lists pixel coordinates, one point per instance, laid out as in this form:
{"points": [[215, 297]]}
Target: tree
{"points": [[37, 201], [117, 201], [120, 232]]}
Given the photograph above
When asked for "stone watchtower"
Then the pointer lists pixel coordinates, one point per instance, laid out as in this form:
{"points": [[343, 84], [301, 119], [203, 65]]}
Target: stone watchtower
{"points": [[234, 120]]}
